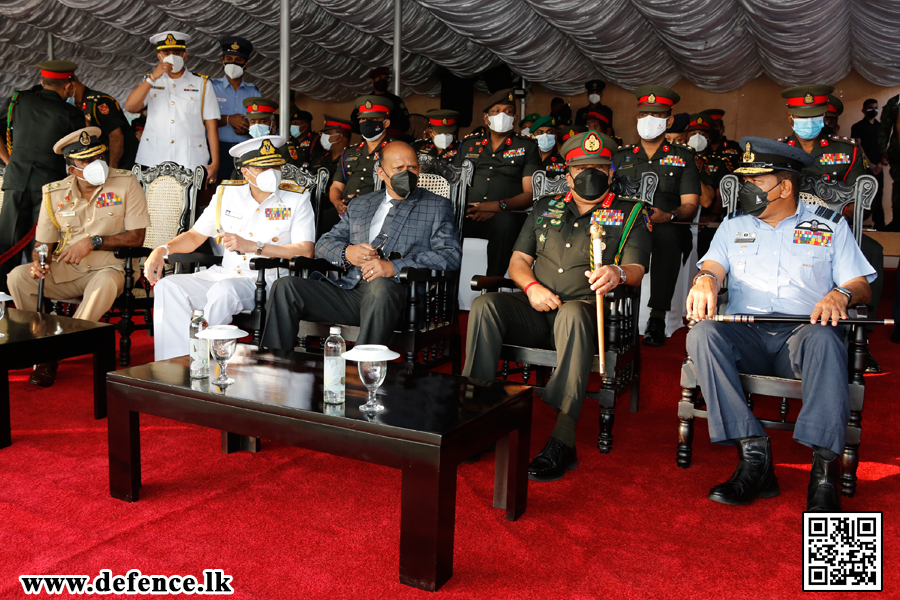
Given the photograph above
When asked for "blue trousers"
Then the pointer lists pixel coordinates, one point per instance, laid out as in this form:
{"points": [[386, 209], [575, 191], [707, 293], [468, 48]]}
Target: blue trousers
{"points": [[812, 353]]}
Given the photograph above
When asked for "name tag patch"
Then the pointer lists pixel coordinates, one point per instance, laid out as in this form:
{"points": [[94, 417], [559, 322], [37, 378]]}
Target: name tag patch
{"points": [[837, 158], [514, 153], [610, 217], [278, 214], [813, 233], [745, 238], [107, 199], [672, 161], [233, 215]]}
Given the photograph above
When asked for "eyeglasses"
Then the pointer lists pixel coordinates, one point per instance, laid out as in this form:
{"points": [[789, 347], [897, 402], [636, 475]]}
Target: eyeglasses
{"points": [[380, 252]]}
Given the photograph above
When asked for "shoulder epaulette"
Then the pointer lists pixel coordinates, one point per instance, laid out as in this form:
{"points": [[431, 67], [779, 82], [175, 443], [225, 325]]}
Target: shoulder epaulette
{"points": [[628, 147], [200, 75], [234, 182], [827, 213], [781, 139], [846, 140], [120, 172], [53, 186], [291, 187]]}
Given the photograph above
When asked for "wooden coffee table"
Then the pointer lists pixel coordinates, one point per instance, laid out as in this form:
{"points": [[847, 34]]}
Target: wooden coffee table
{"points": [[33, 338], [432, 422]]}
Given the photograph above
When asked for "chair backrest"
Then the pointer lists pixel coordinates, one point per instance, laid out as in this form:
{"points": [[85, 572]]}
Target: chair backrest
{"points": [[541, 184], [643, 189], [309, 182], [171, 192], [835, 195], [435, 184]]}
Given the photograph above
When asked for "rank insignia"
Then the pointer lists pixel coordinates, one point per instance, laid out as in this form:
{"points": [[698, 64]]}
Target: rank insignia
{"points": [[672, 160], [537, 221], [823, 142], [636, 150], [514, 153], [555, 222], [542, 238], [278, 214], [107, 199], [665, 148], [813, 233], [104, 109], [609, 217]]}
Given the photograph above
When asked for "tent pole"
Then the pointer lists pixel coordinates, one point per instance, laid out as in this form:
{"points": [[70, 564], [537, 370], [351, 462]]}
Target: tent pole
{"points": [[397, 47], [284, 122], [49, 46]]}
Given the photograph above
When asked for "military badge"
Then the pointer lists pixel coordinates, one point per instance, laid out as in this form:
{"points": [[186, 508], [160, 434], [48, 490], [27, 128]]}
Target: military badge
{"points": [[555, 222], [651, 98], [510, 97], [592, 143], [514, 153], [170, 40], [104, 109], [749, 156], [368, 104], [808, 99], [107, 199], [293, 152], [254, 107], [615, 218], [542, 238], [84, 138], [537, 221], [235, 46], [837, 158], [267, 148], [444, 122], [813, 233], [278, 214]]}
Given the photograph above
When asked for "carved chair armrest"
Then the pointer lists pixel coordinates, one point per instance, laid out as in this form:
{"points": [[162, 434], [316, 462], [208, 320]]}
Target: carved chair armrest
{"points": [[262, 263], [132, 252], [411, 274], [194, 257], [299, 264], [483, 283]]}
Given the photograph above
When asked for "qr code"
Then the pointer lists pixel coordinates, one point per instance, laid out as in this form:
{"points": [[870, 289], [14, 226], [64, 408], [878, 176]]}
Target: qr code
{"points": [[842, 552]]}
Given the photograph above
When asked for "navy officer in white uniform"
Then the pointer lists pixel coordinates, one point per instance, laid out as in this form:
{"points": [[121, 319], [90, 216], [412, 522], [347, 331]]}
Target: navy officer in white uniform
{"points": [[259, 216], [182, 110], [782, 256]]}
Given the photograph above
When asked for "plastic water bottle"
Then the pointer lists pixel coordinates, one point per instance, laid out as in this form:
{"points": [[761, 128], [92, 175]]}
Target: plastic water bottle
{"points": [[199, 348], [335, 367]]}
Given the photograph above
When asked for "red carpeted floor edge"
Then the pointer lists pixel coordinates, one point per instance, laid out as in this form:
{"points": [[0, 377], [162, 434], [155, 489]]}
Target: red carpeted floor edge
{"points": [[289, 523]]}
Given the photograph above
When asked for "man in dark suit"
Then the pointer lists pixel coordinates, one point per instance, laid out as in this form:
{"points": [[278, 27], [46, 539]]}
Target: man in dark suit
{"points": [[380, 233]]}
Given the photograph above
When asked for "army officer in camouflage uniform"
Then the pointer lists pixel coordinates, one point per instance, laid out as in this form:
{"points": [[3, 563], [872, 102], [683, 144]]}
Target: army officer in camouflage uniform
{"points": [[501, 185], [551, 264], [677, 197]]}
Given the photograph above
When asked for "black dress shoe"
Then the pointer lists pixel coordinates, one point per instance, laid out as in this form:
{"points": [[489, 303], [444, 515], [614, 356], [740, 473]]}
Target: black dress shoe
{"points": [[655, 335], [554, 461], [44, 374], [823, 493], [872, 365], [753, 478]]}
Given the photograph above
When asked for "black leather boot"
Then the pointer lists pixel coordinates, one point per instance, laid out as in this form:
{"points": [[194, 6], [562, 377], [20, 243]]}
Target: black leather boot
{"points": [[824, 491], [655, 334], [554, 461], [44, 374], [753, 478]]}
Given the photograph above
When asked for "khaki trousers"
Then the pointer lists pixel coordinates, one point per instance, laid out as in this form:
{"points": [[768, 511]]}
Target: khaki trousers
{"points": [[97, 289]]}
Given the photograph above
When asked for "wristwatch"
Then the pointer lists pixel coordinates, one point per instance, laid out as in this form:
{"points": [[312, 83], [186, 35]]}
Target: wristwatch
{"points": [[97, 242], [622, 276], [845, 292], [259, 248], [673, 217], [502, 205]]}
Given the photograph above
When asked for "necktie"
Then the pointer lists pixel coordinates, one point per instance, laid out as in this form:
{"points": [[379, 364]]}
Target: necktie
{"points": [[381, 238]]}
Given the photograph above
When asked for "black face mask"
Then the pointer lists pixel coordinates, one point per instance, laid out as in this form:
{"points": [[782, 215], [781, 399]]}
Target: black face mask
{"points": [[381, 85], [871, 113], [715, 136], [591, 184], [371, 129], [754, 199], [404, 183]]}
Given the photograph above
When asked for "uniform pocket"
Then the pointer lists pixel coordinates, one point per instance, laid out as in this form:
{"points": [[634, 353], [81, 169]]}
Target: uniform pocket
{"points": [[745, 263], [811, 264]]}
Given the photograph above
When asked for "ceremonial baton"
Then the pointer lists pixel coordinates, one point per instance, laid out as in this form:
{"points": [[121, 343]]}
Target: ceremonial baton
{"points": [[597, 234], [42, 251], [792, 319]]}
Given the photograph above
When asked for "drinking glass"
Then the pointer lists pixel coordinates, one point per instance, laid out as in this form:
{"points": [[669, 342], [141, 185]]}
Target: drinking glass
{"points": [[222, 350], [372, 373]]}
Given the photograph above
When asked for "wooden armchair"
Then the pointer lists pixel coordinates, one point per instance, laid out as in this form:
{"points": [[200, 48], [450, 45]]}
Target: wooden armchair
{"points": [[428, 333], [541, 184], [835, 195]]}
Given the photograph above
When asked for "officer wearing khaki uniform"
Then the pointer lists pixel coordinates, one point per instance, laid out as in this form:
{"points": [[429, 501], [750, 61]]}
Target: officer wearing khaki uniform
{"points": [[85, 216]]}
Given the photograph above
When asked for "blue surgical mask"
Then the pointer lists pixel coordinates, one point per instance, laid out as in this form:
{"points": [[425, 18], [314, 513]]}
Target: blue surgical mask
{"points": [[809, 127], [295, 131], [546, 141], [258, 130], [71, 100]]}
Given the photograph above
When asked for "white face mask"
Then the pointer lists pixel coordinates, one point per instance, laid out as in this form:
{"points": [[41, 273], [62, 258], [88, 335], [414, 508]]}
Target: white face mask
{"points": [[325, 140], [234, 71], [698, 142], [176, 61], [594, 98], [546, 141], [651, 127], [95, 173], [501, 122], [269, 180], [526, 131], [443, 140]]}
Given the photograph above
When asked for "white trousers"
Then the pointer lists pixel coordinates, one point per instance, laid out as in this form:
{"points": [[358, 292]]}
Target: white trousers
{"points": [[175, 298]]}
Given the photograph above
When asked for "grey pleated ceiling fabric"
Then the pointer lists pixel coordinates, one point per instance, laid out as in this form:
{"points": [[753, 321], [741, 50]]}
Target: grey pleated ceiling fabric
{"points": [[717, 45]]}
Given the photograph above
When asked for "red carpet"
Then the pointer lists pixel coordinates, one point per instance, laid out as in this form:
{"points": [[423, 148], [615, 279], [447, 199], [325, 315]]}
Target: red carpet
{"points": [[289, 523]]}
